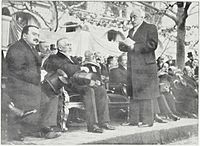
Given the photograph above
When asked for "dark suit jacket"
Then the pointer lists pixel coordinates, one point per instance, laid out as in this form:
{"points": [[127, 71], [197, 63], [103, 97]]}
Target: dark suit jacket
{"points": [[118, 79], [93, 68], [142, 69], [23, 70], [118, 75], [60, 61], [23, 62]]}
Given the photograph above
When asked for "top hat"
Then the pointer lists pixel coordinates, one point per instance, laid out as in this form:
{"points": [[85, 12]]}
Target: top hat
{"points": [[189, 54], [54, 81]]}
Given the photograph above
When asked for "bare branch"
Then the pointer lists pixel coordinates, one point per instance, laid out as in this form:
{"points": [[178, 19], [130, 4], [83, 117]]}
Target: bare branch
{"points": [[38, 14], [13, 5], [67, 9], [26, 7], [191, 8], [169, 7], [186, 9], [54, 20], [193, 13], [156, 9], [78, 5], [187, 5]]}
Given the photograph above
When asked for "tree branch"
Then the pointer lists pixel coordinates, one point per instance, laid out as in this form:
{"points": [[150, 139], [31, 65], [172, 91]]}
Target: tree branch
{"points": [[186, 9], [54, 19], [156, 9], [169, 7], [78, 5], [13, 5], [187, 5], [67, 9], [194, 6], [36, 13], [193, 13]]}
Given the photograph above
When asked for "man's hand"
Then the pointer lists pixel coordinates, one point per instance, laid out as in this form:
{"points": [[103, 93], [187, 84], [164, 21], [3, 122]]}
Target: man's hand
{"points": [[129, 42], [85, 69], [92, 83]]}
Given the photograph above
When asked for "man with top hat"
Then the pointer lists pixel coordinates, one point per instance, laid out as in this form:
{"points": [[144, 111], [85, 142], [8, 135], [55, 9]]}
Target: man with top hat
{"points": [[94, 97], [190, 57]]}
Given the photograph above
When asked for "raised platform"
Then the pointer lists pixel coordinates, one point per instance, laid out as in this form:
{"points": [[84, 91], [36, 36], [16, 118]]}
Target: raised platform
{"points": [[158, 134]]}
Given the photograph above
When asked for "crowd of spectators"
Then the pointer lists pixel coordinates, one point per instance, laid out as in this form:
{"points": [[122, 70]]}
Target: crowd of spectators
{"points": [[171, 79], [178, 88]]}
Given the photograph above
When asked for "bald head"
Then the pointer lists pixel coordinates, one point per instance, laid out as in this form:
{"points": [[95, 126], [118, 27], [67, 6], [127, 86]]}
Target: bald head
{"points": [[137, 16], [44, 47], [89, 55], [138, 12], [64, 45]]}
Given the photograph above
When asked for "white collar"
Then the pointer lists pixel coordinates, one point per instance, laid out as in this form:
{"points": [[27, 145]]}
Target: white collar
{"points": [[138, 26], [67, 55]]}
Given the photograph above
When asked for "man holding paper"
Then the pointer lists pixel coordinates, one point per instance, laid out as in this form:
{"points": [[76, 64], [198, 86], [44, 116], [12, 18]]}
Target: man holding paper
{"points": [[142, 85]]}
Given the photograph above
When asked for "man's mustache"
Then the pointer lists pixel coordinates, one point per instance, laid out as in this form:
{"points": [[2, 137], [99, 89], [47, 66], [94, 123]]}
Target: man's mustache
{"points": [[36, 40]]}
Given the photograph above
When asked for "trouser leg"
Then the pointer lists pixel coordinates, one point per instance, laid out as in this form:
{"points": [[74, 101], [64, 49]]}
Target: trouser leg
{"points": [[50, 111], [171, 101], [147, 113], [163, 105], [156, 106], [102, 105], [134, 112], [14, 128], [90, 106]]}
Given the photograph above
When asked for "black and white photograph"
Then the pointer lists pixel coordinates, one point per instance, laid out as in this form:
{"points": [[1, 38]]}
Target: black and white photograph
{"points": [[99, 72]]}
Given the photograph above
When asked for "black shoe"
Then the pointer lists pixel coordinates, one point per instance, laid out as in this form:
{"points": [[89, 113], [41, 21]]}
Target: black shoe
{"points": [[56, 129], [145, 125], [173, 117], [48, 133], [159, 120], [107, 126], [45, 130], [95, 129], [129, 124], [51, 135], [19, 137]]}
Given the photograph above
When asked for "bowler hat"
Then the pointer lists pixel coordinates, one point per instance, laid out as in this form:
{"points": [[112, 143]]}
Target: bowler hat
{"points": [[189, 54]]}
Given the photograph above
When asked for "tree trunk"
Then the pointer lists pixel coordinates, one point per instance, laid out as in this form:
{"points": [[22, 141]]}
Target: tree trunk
{"points": [[180, 46]]}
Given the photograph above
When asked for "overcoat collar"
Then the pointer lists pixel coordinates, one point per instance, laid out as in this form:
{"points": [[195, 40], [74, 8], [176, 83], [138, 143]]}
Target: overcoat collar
{"points": [[61, 55], [35, 53], [121, 67], [93, 63], [137, 31]]}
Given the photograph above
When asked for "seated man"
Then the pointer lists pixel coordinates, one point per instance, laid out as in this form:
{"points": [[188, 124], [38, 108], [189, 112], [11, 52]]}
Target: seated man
{"points": [[94, 67], [167, 100], [185, 90], [118, 76], [95, 98], [111, 63]]}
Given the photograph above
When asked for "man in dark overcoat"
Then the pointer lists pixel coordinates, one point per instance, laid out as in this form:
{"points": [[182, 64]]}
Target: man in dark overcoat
{"points": [[23, 85], [143, 85], [94, 98]]}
